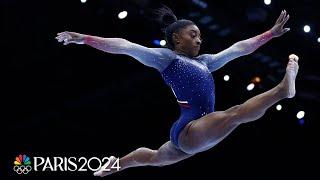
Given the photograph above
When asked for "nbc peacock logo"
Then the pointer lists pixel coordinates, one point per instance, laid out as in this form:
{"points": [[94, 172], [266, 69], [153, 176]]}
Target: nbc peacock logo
{"points": [[22, 164]]}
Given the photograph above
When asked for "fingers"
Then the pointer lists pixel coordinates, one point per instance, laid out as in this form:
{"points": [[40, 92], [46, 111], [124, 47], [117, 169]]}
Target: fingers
{"points": [[280, 17], [284, 14], [64, 36], [61, 38], [66, 42], [282, 20], [286, 30], [285, 20]]}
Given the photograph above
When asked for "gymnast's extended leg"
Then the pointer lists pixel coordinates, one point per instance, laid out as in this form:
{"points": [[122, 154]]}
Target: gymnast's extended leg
{"points": [[209, 130]]}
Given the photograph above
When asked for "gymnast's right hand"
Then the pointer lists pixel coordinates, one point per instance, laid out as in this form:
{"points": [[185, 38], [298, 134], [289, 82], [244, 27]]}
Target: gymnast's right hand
{"points": [[70, 37]]}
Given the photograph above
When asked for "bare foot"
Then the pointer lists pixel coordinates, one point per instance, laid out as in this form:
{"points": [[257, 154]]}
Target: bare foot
{"points": [[101, 172], [288, 82]]}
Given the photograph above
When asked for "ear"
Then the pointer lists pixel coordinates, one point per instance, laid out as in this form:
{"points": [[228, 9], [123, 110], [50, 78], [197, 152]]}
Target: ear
{"points": [[176, 38]]}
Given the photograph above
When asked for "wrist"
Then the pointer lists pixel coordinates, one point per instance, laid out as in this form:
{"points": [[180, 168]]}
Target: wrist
{"points": [[268, 35], [271, 33], [86, 39]]}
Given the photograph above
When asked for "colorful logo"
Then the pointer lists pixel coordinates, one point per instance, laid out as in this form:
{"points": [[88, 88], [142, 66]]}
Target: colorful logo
{"points": [[22, 164]]}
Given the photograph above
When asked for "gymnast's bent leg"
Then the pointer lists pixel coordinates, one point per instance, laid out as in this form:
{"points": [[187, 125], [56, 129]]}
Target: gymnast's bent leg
{"points": [[167, 154]]}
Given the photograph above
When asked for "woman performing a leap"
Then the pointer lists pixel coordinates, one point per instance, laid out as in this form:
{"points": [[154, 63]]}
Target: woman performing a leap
{"points": [[199, 126]]}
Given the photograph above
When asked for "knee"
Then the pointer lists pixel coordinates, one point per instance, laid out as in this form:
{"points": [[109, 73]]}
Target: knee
{"points": [[149, 157], [240, 114], [146, 152], [234, 114], [143, 149], [145, 155], [234, 111]]}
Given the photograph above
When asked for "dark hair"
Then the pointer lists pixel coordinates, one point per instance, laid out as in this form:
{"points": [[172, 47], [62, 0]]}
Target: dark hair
{"points": [[172, 25]]}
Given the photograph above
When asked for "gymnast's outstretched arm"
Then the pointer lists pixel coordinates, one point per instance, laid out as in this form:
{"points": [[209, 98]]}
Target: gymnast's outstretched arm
{"points": [[245, 47], [158, 58]]}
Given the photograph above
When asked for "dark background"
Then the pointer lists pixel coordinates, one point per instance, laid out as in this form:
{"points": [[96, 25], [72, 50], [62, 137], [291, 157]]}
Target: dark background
{"points": [[77, 101]]}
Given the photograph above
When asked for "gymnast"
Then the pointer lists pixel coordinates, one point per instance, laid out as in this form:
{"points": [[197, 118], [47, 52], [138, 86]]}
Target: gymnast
{"points": [[188, 74]]}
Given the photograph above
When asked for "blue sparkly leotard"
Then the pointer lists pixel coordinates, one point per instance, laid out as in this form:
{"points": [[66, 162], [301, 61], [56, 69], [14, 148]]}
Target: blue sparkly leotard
{"points": [[193, 86]]}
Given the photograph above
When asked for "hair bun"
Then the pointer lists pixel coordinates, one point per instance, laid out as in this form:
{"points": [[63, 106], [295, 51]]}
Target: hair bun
{"points": [[168, 19], [165, 16]]}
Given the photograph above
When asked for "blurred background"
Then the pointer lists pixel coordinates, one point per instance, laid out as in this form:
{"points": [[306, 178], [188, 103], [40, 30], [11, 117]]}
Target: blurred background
{"points": [[78, 101]]}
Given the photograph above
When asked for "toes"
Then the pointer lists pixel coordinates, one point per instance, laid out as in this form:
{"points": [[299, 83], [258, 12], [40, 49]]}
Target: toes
{"points": [[293, 57], [98, 173]]}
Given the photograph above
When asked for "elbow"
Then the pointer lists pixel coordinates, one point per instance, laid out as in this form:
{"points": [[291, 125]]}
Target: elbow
{"points": [[125, 45], [122, 43], [244, 48], [117, 45]]}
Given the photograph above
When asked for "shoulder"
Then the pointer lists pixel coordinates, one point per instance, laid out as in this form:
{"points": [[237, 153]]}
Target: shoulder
{"points": [[206, 58], [165, 52], [165, 58]]}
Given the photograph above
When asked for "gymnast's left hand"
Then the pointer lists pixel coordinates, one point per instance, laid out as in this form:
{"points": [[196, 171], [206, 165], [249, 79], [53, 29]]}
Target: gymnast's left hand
{"points": [[278, 30], [70, 37]]}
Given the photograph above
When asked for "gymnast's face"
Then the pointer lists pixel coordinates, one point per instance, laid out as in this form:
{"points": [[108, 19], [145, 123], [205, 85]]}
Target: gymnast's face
{"points": [[188, 40]]}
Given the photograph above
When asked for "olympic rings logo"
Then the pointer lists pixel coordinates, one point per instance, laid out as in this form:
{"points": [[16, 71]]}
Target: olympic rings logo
{"points": [[22, 169]]}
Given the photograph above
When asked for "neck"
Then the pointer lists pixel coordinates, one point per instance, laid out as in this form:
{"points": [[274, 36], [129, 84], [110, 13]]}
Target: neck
{"points": [[181, 52]]}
